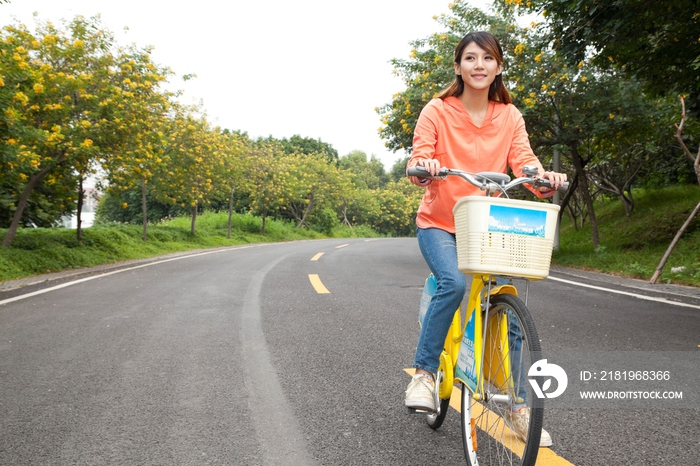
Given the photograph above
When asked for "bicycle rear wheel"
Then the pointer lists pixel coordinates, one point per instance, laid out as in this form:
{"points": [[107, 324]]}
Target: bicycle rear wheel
{"points": [[491, 433]]}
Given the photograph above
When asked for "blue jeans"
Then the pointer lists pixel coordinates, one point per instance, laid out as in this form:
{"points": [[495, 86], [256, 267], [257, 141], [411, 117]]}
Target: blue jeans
{"points": [[439, 248]]}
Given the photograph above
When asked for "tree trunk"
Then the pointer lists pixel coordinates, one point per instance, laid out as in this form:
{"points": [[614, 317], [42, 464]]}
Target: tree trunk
{"points": [[627, 202], [673, 244], [144, 210], [264, 217], [696, 167], [14, 225], [79, 221], [586, 193], [309, 206], [194, 218], [695, 159], [345, 214], [230, 214]]}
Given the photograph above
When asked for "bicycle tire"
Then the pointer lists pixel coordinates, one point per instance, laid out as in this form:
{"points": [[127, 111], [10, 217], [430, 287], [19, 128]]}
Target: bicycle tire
{"points": [[486, 434]]}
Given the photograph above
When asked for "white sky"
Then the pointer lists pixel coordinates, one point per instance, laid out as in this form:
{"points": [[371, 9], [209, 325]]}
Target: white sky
{"points": [[316, 68]]}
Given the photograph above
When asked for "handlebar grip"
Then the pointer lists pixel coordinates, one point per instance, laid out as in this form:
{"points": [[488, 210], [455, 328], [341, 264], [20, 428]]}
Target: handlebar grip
{"points": [[544, 182], [421, 172]]}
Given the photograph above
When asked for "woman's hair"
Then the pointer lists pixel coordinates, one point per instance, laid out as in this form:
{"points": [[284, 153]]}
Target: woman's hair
{"points": [[488, 42]]}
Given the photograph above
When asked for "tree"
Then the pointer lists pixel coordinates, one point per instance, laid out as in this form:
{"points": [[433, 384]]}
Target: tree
{"points": [[270, 193], [366, 174], [398, 170], [655, 41], [398, 205], [126, 207], [301, 145], [594, 117], [193, 156], [145, 111], [50, 100], [235, 164], [695, 159], [64, 103]]}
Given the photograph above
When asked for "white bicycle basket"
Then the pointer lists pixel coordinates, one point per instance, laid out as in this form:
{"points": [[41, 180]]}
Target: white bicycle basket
{"points": [[505, 236]]}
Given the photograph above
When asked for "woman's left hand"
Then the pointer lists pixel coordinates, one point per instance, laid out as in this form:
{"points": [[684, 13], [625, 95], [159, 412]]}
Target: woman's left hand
{"points": [[556, 180]]}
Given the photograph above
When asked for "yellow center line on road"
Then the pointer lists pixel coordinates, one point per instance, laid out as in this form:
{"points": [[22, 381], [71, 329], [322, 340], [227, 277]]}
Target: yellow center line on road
{"points": [[317, 256], [545, 457], [318, 286], [342, 246]]}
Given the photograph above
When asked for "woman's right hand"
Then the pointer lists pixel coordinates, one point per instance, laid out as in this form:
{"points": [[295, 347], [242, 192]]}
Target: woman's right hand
{"points": [[433, 167]]}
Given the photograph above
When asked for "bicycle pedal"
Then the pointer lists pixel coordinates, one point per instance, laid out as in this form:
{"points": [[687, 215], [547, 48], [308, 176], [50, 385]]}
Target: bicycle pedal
{"points": [[418, 411]]}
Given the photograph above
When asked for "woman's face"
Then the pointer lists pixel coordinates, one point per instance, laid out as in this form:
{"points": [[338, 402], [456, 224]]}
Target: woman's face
{"points": [[477, 67]]}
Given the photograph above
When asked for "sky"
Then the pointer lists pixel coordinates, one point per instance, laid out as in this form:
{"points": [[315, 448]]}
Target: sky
{"points": [[316, 68]]}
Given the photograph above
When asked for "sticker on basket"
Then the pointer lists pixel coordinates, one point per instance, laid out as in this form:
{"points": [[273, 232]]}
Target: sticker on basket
{"points": [[515, 220]]}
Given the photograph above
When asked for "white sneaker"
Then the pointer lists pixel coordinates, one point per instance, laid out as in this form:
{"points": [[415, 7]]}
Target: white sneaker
{"points": [[519, 421], [420, 393]]}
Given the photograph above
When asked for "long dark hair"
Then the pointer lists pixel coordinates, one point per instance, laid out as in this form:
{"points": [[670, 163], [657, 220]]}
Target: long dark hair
{"points": [[488, 42]]}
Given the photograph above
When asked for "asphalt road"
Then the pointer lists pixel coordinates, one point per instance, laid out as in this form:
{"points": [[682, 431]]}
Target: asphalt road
{"points": [[233, 357]]}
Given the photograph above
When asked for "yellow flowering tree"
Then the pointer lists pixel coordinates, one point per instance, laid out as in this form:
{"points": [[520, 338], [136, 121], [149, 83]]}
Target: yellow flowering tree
{"points": [[64, 104], [314, 183], [143, 114], [268, 172], [193, 156], [235, 166], [398, 204]]}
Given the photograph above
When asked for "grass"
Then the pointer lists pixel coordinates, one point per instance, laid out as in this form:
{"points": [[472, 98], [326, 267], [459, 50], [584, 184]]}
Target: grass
{"points": [[630, 247], [39, 251], [634, 246]]}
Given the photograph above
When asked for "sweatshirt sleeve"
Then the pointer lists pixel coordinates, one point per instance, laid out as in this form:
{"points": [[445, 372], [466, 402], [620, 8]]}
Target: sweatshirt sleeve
{"points": [[425, 135]]}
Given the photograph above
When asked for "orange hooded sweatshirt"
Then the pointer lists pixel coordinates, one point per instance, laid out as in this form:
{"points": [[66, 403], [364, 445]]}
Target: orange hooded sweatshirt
{"points": [[445, 132]]}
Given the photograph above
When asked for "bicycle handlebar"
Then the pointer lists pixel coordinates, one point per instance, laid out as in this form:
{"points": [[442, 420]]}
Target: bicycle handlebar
{"points": [[489, 181]]}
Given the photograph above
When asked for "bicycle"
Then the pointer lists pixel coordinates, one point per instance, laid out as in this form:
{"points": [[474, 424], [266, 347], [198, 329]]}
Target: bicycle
{"points": [[498, 240]]}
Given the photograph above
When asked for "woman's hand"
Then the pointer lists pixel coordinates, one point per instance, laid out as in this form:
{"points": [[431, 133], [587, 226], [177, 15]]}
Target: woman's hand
{"points": [[433, 167], [556, 180]]}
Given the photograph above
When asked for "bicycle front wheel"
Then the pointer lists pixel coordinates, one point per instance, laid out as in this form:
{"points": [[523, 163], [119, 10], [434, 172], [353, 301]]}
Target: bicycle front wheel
{"points": [[502, 425]]}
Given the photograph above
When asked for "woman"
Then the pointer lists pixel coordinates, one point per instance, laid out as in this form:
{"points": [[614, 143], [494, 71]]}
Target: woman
{"points": [[471, 126]]}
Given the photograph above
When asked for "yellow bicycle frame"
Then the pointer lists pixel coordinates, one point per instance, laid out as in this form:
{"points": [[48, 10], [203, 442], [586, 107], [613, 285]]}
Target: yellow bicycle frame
{"points": [[496, 364]]}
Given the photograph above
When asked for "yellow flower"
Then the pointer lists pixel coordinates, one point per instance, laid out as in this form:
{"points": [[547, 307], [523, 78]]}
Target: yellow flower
{"points": [[612, 116], [125, 205], [22, 97], [544, 87], [583, 79]]}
